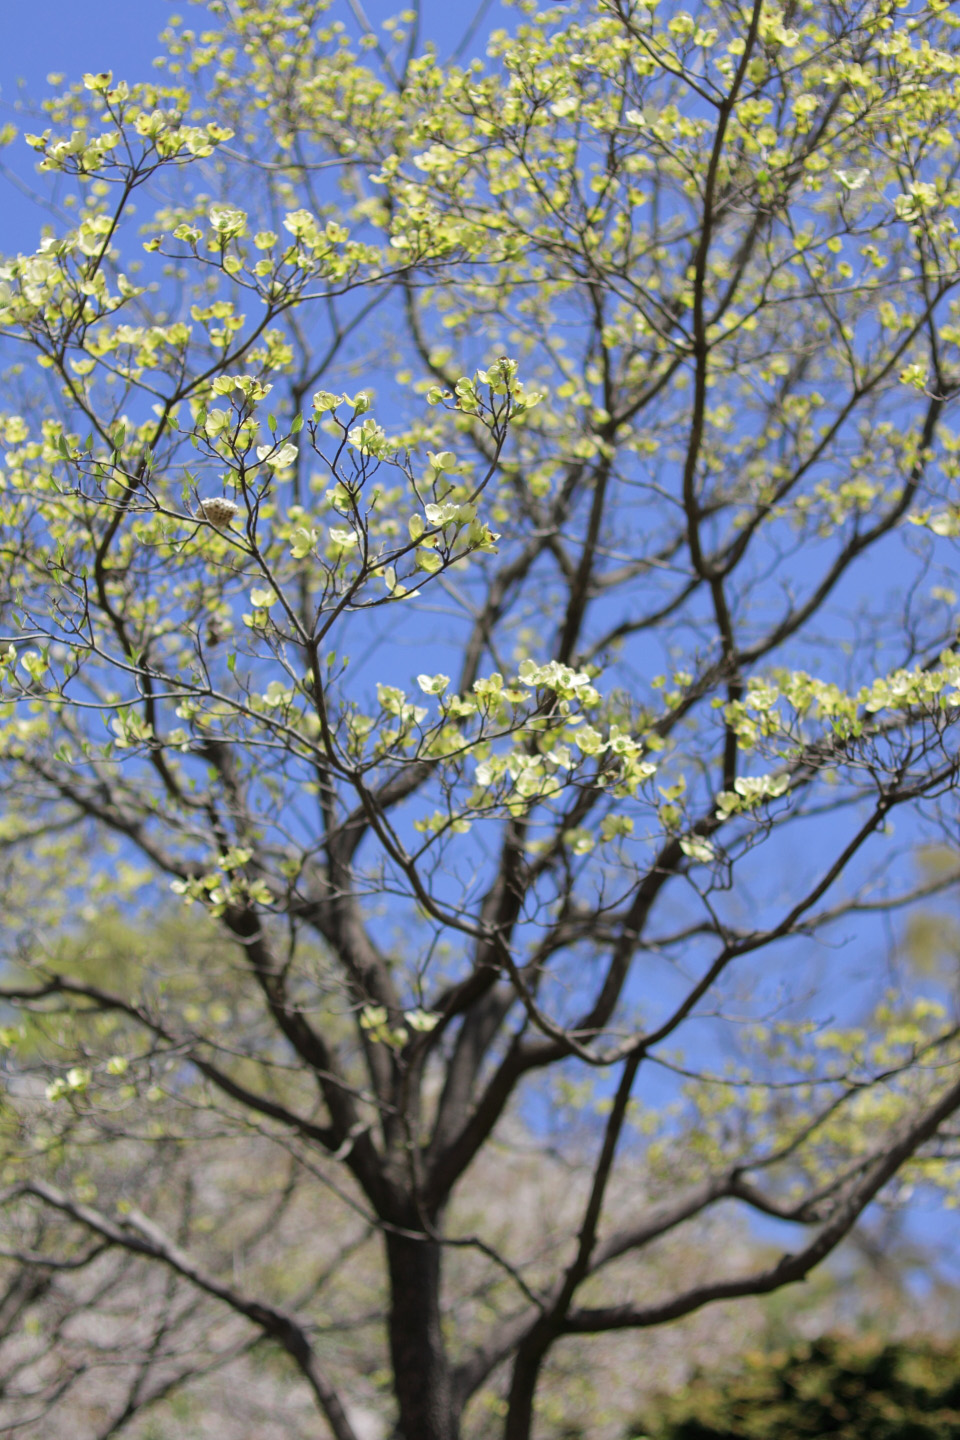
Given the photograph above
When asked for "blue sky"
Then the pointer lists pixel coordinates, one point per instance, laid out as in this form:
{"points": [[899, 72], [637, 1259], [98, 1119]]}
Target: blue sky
{"points": [[44, 37], [57, 36], [52, 35]]}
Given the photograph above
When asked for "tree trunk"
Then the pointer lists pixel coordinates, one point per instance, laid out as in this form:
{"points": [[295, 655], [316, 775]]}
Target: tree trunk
{"points": [[523, 1389], [421, 1372]]}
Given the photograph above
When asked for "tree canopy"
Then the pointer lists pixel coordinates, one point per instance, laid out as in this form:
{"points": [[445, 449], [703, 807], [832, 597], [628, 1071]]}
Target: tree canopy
{"points": [[479, 531]]}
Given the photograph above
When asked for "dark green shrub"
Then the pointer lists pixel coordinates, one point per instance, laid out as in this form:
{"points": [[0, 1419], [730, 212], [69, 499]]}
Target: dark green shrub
{"points": [[851, 1389]]}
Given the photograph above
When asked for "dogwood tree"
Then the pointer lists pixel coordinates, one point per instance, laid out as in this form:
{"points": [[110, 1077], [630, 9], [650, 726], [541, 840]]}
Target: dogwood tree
{"points": [[479, 533]]}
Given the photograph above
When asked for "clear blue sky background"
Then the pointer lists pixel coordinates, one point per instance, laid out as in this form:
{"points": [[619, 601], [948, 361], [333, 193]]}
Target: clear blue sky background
{"points": [[60, 35], [43, 37]]}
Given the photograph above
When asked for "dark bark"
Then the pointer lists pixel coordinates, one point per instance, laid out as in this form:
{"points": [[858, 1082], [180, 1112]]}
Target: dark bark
{"points": [[523, 1385], [423, 1381]]}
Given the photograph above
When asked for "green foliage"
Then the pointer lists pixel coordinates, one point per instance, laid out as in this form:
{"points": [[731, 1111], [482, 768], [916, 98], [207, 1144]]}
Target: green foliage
{"points": [[851, 1389]]}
